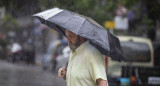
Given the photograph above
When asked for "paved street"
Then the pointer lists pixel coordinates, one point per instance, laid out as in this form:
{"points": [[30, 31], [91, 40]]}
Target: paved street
{"points": [[26, 75]]}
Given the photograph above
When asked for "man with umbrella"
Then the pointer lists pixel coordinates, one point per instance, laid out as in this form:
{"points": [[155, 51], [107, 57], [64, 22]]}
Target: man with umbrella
{"points": [[86, 65], [88, 41]]}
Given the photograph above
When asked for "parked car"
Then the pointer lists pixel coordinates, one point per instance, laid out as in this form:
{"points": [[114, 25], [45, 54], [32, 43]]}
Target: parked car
{"points": [[22, 56], [139, 67], [17, 54]]}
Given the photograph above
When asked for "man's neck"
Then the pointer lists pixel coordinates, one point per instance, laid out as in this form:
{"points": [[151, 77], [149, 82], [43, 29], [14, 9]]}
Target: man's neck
{"points": [[78, 46], [82, 41]]}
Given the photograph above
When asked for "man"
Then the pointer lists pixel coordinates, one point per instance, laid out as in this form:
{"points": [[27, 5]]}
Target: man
{"points": [[86, 65]]}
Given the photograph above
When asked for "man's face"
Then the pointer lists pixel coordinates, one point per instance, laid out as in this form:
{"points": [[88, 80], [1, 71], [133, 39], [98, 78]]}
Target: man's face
{"points": [[73, 40]]}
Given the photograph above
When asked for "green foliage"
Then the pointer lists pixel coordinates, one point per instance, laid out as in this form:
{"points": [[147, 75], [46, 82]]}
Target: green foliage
{"points": [[9, 23], [104, 10], [148, 23], [153, 8], [5, 3], [89, 8], [99, 10], [129, 3]]}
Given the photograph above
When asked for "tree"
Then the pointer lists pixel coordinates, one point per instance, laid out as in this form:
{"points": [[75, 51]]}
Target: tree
{"points": [[9, 23]]}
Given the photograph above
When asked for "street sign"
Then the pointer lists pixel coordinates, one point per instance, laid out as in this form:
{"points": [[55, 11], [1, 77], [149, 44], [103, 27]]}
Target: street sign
{"points": [[109, 24], [121, 23]]}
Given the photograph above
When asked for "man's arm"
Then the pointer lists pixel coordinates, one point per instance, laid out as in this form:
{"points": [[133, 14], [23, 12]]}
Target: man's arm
{"points": [[101, 82]]}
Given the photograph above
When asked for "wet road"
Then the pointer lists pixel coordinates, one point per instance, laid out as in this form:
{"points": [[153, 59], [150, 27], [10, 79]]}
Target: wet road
{"points": [[26, 75]]}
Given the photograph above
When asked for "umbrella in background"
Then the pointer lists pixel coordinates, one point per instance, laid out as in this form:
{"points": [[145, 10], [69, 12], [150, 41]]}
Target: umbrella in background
{"points": [[105, 42]]}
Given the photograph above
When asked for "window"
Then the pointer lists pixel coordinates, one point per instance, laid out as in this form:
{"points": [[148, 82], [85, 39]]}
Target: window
{"points": [[136, 52]]}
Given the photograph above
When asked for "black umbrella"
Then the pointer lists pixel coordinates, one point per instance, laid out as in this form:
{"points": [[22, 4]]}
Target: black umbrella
{"points": [[105, 42]]}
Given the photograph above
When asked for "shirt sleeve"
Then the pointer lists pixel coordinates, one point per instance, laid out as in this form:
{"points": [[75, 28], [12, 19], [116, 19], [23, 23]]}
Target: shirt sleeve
{"points": [[97, 66]]}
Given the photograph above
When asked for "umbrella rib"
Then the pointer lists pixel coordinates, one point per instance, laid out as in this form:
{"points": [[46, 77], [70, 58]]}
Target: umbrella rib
{"points": [[81, 26], [66, 21]]}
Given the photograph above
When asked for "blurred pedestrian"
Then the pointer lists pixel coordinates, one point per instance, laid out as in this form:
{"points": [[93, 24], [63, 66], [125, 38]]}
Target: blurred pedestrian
{"points": [[86, 65]]}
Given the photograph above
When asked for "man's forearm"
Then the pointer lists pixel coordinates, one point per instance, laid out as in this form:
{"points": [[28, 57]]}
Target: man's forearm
{"points": [[101, 82]]}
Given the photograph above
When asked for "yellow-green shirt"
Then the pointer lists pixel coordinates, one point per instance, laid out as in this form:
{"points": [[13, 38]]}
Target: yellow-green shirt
{"points": [[86, 65]]}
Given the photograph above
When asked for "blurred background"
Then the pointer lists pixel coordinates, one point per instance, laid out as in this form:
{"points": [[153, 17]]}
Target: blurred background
{"points": [[31, 53]]}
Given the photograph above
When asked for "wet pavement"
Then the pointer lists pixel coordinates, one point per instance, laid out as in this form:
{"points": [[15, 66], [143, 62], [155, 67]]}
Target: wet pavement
{"points": [[21, 74]]}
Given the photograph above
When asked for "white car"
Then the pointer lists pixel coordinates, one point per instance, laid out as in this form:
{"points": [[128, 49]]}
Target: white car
{"points": [[139, 53]]}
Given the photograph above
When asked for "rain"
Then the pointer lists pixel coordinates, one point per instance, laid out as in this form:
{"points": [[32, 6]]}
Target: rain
{"points": [[31, 52]]}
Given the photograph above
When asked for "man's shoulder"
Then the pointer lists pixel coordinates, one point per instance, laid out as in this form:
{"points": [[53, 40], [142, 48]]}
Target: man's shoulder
{"points": [[92, 50], [94, 55]]}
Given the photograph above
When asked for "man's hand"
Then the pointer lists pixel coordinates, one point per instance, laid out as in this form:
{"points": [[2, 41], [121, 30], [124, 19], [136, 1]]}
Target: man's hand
{"points": [[62, 72]]}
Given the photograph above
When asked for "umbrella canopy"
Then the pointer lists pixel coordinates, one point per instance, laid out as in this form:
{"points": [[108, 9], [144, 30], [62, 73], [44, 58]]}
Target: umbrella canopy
{"points": [[105, 42]]}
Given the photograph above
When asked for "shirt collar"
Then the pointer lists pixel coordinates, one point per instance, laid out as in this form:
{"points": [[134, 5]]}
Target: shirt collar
{"points": [[80, 48]]}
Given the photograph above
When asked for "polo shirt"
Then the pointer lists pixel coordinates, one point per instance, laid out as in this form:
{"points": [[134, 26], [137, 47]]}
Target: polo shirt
{"points": [[86, 65]]}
